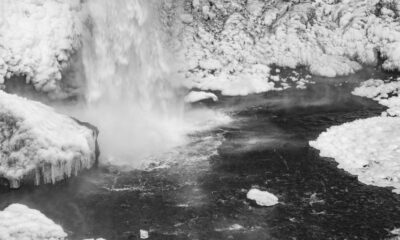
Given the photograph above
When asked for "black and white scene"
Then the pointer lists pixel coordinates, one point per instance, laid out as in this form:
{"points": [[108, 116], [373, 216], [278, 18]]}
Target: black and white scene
{"points": [[200, 119]]}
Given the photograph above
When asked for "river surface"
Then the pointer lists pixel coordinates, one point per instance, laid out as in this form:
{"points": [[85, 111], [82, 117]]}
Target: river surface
{"points": [[199, 191]]}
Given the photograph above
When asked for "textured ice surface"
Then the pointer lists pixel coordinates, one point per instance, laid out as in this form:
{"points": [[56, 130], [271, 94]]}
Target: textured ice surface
{"points": [[37, 39], [39, 144], [262, 198], [368, 148], [18, 222], [228, 45]]}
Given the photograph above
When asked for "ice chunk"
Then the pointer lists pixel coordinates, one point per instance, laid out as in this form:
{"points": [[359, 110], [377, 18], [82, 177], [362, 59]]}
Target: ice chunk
{"points": [[262, 198], [195, 96]]}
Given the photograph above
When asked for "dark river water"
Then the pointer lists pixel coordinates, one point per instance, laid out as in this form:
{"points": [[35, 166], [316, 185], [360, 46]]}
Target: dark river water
{"points": [[200, 193]]}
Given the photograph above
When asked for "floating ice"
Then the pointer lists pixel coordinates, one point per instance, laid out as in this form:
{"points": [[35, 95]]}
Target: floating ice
{"points": [[19, 222], [40, 145], [262, 198]]}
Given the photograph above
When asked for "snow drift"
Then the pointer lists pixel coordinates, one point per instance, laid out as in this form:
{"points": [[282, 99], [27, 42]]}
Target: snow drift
{"points": [[40, 145], [20, 222]]}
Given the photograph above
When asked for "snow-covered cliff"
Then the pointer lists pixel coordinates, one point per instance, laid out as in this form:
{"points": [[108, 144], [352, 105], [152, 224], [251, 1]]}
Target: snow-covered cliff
{"points": [[219, 45], [37, 40], [230, 45]]}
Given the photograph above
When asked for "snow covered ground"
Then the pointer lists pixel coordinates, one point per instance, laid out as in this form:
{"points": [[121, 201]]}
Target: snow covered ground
{"points": [[19, 222], [39, 144], [368, 148], [230, 45]]}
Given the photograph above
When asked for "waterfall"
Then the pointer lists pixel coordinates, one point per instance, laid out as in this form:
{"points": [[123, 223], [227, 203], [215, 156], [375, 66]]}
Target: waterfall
{"points": [[131, 92]]}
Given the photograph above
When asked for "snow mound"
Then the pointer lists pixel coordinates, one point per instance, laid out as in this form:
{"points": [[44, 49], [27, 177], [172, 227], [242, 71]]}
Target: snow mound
{"points": [[262, 198], [20, 222], [37, 39], [384, 92], [41, 145], [368, 148], [196, 96]]}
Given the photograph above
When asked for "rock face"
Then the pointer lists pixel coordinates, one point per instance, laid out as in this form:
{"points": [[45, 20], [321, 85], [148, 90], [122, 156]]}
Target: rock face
{"points": [[41, 146]]}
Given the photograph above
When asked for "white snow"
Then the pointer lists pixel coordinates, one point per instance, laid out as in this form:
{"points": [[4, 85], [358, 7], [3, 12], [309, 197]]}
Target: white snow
{"points": [[37, 39], [368, 148], [385, 92], [262, 198], [195, 96], [37, 141], [226, 39], [18, 222]]}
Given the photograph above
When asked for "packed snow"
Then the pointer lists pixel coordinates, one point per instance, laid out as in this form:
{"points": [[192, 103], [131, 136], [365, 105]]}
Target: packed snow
{"points": [[368, 148], [196, 96], [39, 144], [38, 39], [385, 92], [262, 198], [230, 45], [19, 222]]}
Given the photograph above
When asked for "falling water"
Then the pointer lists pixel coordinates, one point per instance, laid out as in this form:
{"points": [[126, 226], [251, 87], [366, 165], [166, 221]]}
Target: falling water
{"points": [[131, 93]]}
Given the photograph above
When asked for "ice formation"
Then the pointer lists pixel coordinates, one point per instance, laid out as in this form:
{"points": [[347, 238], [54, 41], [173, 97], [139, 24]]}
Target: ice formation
{"points": [[37, 40], [41, 145], [19, 222], [368, 148], [229, 45], [196, 96], [385, 92], [262, 198]]}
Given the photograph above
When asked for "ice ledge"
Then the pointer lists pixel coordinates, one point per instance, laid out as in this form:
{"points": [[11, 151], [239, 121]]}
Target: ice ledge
{"points": [[39, 145]]}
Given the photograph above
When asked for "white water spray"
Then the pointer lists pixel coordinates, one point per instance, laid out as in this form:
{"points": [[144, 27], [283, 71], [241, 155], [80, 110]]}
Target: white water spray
{"points": [[131, 94]]}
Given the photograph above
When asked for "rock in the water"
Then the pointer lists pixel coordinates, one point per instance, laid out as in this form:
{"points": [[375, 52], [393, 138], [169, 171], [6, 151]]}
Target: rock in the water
{"points": [[20, 222], [40, 145]]}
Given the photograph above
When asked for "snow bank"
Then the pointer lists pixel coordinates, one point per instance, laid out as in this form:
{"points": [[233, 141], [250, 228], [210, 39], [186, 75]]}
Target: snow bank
{"points": [[41, 145], [195, 96], [384, 92], [368, 148], [37, 39], [19, 222], [230, 44], [262, 198]]}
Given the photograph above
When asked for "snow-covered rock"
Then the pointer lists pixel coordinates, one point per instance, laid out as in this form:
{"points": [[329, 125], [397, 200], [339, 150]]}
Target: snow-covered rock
{"points": [[18, 222], [262, 198], [37, 39], [368, 148], [224, 42], [40, 145], [196, 96]]}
